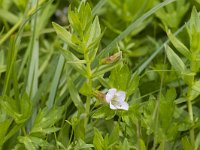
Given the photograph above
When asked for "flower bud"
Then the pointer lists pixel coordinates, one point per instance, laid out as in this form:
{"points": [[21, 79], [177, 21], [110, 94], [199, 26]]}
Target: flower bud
{"points": [[99, 95], [111, 59]]}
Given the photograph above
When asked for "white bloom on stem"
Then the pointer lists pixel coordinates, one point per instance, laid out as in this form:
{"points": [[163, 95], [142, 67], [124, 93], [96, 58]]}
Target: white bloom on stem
{"points": [[116, 99]]}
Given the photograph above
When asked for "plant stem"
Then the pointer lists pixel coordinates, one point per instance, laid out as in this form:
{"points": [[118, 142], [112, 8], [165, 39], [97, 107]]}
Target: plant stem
{"points": [[190, 111], [89, 80]]}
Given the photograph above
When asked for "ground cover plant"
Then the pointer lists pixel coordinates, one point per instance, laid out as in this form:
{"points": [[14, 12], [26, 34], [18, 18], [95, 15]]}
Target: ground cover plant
{"points": [[100, 74]]}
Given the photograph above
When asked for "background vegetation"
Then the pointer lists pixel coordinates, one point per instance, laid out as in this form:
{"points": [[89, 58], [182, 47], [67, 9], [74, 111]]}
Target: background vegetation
{"points": [[58, 59]]}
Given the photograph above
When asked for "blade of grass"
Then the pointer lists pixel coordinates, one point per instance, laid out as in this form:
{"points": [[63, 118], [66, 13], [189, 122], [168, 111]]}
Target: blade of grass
{"points": [[98, 6], [43, 85], [55, 82]]}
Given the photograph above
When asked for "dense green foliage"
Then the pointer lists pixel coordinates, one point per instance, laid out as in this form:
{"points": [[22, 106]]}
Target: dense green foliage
{"points": [[59, 60]]}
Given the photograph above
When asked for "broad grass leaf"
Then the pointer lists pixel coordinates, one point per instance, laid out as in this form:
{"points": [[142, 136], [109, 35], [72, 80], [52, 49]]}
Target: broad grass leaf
{"points": [[175, 60]]}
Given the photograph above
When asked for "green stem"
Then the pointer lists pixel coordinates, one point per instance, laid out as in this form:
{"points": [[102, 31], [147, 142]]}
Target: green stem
{"points": [[89, 80], [190, 111]]}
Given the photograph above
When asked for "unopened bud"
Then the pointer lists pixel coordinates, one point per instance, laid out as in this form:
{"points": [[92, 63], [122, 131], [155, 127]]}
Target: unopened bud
{"points": [[99, 95], [111, 59]]}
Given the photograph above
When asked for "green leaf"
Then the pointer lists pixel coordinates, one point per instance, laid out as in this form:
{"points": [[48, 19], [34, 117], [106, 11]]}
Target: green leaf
{"points": [[179, 45], [195, 90], [197, 141], [166, 110], [8, 16], [85, 16], [104, 68], [98, 140], [120, 77], [186, 144], [19, 112], [142, 145], [133, 26], [188, 77], [74, 61], [101, 112], [133, 83], [65, 36], [4, 126], [75, 96], [32, 142], [45, 120], [82, 145], [194, 31], [74, 20], [84, 89], [114, 136], [175, 60], [55, 82], [125, 145], [95, 31]]}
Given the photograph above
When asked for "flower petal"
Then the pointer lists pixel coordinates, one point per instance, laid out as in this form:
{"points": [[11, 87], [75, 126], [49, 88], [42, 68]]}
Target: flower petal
{"points": [[111, 93], [122, 105], [112, 106], [121, 95], [119, 105]]}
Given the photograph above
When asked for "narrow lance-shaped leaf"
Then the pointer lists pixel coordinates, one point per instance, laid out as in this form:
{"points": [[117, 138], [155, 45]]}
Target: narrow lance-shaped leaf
{"points": [[75, 96], [65, 35], [179, 45], [175, 60], [74, 61]]}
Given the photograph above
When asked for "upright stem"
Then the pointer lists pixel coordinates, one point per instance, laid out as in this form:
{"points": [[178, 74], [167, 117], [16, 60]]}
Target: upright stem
{"points": [[89, 81], [190, 111]]}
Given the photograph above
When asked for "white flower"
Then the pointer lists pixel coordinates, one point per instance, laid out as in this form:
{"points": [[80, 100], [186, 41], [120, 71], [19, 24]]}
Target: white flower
{"points": [[116, 99]]}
